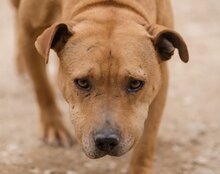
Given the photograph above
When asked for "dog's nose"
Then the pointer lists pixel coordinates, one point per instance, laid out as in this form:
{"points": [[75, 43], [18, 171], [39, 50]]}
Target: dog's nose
{"points": [[106, 141]]}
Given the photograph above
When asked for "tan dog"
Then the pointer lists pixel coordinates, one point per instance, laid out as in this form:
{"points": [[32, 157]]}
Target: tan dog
{"points": [[112, 72]]}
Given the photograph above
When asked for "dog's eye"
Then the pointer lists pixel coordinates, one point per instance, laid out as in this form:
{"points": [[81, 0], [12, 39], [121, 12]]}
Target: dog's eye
{"points": [[135, 85], [83, 84]]}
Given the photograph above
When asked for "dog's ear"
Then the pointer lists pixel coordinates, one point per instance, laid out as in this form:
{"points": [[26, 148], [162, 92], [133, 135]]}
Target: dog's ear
{"points": [[54, 37], [166, 40]]}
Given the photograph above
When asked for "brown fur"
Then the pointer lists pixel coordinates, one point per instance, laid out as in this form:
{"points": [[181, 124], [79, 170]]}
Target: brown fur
{"points": [[107, 42]]}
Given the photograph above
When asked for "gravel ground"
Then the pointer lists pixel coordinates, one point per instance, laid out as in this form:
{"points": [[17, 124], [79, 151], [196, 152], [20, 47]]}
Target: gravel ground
{"points": [[189, 140]]}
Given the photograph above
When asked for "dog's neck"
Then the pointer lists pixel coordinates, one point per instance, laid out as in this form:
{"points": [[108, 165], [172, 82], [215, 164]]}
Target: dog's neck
{"points": [[128, 4]]}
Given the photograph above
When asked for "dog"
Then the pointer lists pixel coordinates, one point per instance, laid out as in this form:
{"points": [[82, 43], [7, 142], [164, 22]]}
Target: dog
{"points": [[113, 71]]}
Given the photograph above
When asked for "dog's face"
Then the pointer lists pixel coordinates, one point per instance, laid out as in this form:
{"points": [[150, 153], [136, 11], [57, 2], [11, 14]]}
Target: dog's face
{"points": [[109, 83], [109, 78]]}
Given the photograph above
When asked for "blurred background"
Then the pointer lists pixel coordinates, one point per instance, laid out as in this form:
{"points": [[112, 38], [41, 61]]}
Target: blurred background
{"points": [[189, 138]]}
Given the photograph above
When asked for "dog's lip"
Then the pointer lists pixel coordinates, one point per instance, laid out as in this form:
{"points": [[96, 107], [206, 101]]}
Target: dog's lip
{"points": [[113, 153], [105, 154], [99, 154], [117, 153], [94, 154]]}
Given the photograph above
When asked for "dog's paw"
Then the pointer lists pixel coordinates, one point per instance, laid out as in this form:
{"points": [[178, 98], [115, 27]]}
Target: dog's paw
{"points": [[53, 129]]}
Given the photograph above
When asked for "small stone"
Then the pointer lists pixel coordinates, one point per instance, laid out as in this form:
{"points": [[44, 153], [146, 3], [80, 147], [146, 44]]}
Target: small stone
{"points": [[71, 172], [111, 166], [200, 160], [177, 148], [49, 171], [124, 171], [12, 147], [89, 165], [188, 100], [196, 129], [186, 167], [204, 171], [35, 171]]}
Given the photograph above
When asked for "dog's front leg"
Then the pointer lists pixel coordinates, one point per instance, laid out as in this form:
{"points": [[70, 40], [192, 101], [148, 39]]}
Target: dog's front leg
{"points": [[54, 131], [142, 158]]}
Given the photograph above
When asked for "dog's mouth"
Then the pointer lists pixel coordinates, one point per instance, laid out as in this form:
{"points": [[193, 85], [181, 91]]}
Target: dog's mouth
{"points": [[108, 141], [94, 152]]}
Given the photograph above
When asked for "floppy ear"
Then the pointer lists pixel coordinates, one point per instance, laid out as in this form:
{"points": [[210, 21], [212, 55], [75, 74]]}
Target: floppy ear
{"points": [[166, 40], [54, 37]]}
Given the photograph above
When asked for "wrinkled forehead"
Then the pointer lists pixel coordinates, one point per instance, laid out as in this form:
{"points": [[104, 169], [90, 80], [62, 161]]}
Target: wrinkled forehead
{"points": [[96, 51]]}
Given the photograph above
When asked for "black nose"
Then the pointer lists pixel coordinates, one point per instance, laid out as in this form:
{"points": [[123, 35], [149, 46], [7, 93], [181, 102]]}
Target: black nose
{"points": [[106, 140]]}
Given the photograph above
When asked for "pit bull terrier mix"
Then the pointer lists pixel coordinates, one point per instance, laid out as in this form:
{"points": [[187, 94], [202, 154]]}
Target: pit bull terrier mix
{"points": [[112, 73]]}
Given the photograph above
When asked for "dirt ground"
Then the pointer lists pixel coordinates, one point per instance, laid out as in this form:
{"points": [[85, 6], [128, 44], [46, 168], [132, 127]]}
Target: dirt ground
{"points": [[189, 139]]}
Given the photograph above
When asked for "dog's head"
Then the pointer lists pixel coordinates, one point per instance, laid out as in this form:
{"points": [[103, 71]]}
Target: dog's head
{"points": [[109, 77]]}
